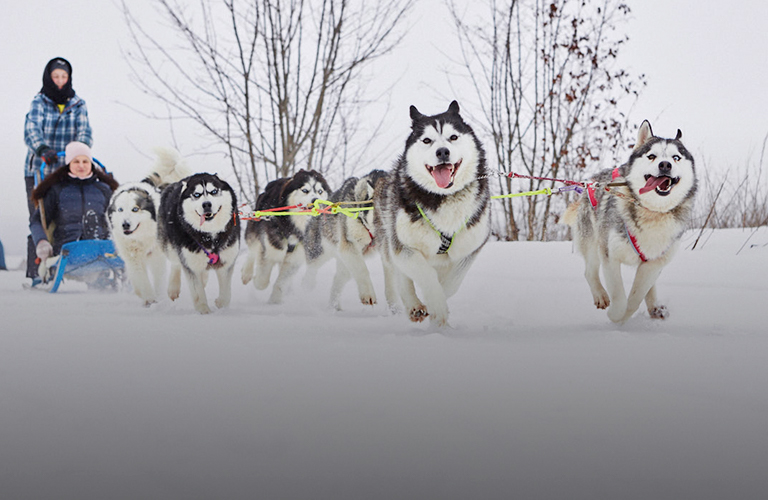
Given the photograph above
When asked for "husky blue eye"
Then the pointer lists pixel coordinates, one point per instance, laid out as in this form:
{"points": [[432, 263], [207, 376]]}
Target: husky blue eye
{"points": [[427, 140], [676, 158], [196, 195], [214, 192], [119, 209], [135, 209]]}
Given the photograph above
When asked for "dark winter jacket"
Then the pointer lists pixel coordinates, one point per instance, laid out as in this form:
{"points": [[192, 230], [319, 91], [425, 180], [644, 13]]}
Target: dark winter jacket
{"points": [[77, 207]]}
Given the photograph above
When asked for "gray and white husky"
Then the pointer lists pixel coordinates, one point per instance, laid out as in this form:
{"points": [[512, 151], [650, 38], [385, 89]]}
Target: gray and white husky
{"points": [[199, 231], [639, 224], [349, 240], [132, 216], [432, 213], [278, 241]]}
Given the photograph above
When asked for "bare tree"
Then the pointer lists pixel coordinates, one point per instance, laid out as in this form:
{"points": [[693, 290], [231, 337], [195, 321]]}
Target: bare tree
{"points": [[544, 72], [275, 82]]}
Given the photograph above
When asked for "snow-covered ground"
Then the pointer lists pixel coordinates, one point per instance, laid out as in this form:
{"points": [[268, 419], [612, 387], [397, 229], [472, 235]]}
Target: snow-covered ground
{"points": [[532, 394]]}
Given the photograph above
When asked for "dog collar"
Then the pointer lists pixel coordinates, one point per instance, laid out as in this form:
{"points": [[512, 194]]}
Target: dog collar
{"points": [[213, 257]]}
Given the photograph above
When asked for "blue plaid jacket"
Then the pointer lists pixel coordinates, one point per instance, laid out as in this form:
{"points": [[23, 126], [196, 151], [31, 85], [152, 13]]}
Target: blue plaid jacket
{"points": [[45, 125]]}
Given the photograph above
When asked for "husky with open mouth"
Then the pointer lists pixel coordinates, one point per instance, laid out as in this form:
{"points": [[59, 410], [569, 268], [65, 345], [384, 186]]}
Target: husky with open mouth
{"points": [[132, 216], [639, 224], [199, 231], [432, 213]]}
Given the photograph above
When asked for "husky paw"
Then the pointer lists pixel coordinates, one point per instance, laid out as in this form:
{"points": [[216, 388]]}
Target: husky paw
{"points": [[221, 303], [203, 308], [418, 313], [173, 294], [602, 301], [261, 282], [659, 312], [368, 300], [149, 302]]}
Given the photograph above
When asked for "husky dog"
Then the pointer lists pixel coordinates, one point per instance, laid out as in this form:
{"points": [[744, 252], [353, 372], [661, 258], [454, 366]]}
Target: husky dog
{"points": [[639, 224], [349, 240], [277, 241], [132, 217], [198, 229], [432, 213]]}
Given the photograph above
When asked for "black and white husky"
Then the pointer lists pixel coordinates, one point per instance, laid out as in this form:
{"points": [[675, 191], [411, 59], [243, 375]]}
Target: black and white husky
{"points": [[132, 216], [199, 231], [278, 240], [349, 240], [432, 213], [639, 224]]}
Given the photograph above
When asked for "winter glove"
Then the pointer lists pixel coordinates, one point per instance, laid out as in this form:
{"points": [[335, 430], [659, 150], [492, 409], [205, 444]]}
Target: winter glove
{"points": [[43, 249], [49, 156]]}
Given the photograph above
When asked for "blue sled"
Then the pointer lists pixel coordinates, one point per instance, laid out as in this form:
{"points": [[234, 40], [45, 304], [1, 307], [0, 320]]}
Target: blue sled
{"points": [[81, 258]]}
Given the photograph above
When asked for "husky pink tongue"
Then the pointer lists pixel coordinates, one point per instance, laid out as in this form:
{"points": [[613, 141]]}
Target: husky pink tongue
{"points": [[442, 175], [653, 183], [202, 219]]}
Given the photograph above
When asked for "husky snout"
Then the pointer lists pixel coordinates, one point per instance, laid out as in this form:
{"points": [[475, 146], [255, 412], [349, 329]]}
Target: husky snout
{"points": [[443, 155], [665, 168], [207, 207], [126, 225]]}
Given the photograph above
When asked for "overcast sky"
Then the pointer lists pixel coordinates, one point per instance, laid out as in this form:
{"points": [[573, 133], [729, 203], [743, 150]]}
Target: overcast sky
{"points": [[705, 63]]}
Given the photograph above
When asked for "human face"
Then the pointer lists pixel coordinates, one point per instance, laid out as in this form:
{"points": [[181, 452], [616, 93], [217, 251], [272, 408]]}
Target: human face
{"points": [[81, 167], [59, 77]]}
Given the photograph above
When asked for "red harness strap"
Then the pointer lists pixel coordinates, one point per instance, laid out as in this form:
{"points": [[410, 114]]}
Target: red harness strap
{"points": [[633, 240], [591, 188]]}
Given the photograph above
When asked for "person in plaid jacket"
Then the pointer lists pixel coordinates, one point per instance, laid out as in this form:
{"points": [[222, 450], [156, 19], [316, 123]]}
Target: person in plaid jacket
{"points": [[56, 117]]}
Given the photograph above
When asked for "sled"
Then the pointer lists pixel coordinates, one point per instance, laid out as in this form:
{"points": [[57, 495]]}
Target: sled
{"points": [[84, 258]]}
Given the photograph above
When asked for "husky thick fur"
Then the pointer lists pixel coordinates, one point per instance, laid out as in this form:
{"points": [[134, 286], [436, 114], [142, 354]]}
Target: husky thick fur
{"points": [[199, 231], [132, 216], [349, 240], [278, 241], [640, 225], [432, 213]]}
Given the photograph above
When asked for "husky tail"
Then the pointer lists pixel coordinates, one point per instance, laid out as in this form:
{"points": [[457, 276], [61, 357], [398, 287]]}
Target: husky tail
{"points": [[169, 168]]}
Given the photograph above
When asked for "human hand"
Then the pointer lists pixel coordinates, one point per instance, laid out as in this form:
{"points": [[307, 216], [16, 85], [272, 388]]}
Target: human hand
{"points": [[43, 250], [49, 156]]}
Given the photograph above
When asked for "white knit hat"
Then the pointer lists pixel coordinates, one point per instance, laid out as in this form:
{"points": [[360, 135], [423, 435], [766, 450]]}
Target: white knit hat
{"points": [[75, 149]]}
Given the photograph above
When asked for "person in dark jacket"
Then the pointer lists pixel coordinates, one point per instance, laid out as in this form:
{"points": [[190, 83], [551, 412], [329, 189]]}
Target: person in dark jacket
{"points": [[71, 203], [56, 117]]}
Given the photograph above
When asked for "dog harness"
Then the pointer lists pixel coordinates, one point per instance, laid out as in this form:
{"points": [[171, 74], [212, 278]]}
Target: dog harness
{"points": [[633, 240], [445, 241], [591, 188], [631, 237]]}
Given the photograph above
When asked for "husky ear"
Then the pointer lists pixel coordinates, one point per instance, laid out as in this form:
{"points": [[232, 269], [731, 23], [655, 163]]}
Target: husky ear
{"points": [[644, 134], [415, 115], [454, 108], [183, 186], [679, 135]]}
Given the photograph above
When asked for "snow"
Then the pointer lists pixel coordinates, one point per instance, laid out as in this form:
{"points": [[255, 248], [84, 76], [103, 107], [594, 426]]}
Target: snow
{"points": [[531, 394]]}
